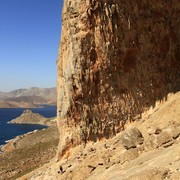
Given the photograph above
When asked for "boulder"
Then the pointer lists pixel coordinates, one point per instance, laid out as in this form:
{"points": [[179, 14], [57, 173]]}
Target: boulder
{"points": [[162, 139], [131, 138]]}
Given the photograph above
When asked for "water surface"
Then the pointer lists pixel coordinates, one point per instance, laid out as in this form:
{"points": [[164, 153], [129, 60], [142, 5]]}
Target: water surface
{"points": [[9, 131]]}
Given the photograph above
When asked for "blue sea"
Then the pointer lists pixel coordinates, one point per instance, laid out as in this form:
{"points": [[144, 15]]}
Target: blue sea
{"points": [[9, 131]]}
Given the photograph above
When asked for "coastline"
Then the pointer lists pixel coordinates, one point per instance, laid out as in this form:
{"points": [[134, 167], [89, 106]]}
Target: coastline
{"points": [[11, 143], [25, 106], [34, 149], [31, 122]]}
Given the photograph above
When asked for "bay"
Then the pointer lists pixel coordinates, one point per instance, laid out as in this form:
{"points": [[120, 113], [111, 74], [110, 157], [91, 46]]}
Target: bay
{"points": [[9, 131]]}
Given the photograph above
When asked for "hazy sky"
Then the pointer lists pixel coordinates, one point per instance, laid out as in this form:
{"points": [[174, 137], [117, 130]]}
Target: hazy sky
{"points": [[29, 41]]}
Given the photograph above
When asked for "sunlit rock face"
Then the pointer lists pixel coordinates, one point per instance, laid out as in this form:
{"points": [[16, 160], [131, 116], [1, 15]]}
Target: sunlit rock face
{"points": [[116, 59]]}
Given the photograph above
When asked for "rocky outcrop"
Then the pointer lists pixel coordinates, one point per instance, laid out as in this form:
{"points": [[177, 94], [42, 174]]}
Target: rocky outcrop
{"points": [[116, 60], [28, 117]]}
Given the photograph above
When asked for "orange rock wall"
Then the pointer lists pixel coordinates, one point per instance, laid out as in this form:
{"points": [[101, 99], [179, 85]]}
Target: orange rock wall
{"points": [[116, 59]]}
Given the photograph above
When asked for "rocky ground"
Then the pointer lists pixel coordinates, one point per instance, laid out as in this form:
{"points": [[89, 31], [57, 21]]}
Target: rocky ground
{"points": [[147, 149], [27, 152]]}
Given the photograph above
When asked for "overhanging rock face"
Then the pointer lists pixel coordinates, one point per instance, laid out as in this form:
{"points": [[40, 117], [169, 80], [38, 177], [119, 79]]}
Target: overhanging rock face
{"points": [[116, 59]]}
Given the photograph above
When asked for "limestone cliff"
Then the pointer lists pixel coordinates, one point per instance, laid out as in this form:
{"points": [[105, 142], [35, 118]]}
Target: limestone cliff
{"points": [[116, 59]]}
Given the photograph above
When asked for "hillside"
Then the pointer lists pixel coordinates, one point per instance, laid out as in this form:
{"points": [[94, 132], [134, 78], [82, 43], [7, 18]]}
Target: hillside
{"points": [[28, 152], [49, 93], [23, 101], [2, 95], [28, 98], [147, 149]]}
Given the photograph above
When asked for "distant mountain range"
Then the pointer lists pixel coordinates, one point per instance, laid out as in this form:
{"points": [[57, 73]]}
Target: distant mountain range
{"points": [[31, 97]]}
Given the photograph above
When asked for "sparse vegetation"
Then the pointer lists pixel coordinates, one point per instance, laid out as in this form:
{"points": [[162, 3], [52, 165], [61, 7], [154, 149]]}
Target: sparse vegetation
{"points": [[31, 152]]}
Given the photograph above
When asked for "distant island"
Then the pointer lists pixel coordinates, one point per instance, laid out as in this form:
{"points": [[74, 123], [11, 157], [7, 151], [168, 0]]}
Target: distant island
{"points": [[28, 98], [28, 117]]}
